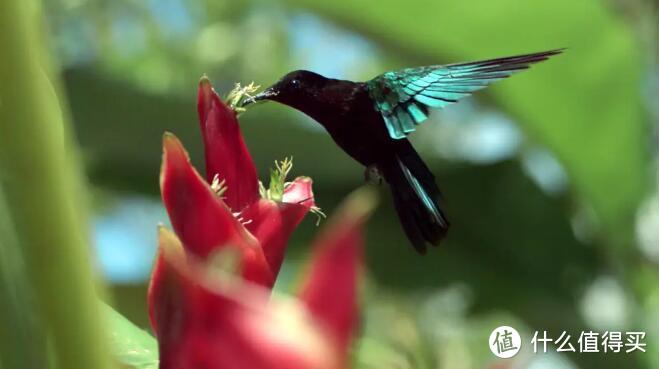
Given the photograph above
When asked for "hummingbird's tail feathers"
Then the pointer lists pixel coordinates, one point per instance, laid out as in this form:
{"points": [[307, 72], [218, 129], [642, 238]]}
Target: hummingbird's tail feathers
{"points": [[416, 200]]}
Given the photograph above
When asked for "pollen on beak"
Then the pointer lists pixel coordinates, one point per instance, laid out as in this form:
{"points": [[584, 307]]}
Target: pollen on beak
{"points": [[264, 95]]}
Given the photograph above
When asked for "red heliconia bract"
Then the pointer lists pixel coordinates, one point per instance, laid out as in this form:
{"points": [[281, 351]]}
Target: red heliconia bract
{"points": [[225, 150], [330, 272], [206, 320], [201, 219], [236, 217], [272, 223]]}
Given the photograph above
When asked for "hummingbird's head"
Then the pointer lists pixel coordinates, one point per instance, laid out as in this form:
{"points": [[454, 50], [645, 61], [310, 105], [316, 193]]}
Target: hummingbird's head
{"points": [[292, 89]]}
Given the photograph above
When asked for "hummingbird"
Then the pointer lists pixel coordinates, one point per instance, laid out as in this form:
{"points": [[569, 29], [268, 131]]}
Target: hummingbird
{"points": [[371, 120]]}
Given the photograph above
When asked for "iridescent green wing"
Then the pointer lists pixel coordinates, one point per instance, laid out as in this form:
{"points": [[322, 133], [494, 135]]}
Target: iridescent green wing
{"points": [[404, 97]]}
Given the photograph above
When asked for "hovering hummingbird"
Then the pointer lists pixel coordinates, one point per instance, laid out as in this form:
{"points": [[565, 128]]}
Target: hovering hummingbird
{"points": [[371, 120]]}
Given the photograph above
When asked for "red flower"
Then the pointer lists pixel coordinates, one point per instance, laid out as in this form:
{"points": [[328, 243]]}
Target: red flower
{"points": [[239, 217], [225, 150], [205, 319], [201, 219]]}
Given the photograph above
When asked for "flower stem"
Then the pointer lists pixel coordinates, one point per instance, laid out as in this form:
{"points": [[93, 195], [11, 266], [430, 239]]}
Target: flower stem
{"points": [[39, 175]]}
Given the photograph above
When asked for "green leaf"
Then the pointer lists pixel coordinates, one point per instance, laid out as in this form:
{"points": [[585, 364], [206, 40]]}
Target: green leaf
{"points": [[130, 345], [584, 105]]}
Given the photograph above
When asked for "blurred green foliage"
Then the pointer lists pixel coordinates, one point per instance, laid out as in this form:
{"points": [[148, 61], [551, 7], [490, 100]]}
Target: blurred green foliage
{"points": [[43, 201]]}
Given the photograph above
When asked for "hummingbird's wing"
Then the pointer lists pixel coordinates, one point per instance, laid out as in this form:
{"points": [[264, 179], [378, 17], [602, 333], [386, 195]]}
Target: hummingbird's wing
{"points": [[404, 97]]}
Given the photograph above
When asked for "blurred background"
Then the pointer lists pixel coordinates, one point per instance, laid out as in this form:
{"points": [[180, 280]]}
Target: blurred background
{"points": [[549, 177]]}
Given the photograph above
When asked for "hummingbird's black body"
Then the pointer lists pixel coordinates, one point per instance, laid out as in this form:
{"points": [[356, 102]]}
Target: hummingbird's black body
{"points": [[346, 111], [370, 121]]}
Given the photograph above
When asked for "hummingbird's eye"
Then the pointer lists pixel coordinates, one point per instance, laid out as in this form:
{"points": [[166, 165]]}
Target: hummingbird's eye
{"points": [[295, 83]]}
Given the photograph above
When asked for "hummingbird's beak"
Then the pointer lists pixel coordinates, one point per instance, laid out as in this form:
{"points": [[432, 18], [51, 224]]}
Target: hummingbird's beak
{"points": [[266, 94]]}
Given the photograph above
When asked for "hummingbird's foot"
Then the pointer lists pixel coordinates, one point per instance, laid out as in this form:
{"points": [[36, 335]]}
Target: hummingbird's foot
{"points": [[372, 174]]}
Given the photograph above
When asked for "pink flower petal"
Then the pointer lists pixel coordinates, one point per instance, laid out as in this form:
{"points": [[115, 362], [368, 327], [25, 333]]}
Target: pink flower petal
{"points": [[300, 191]]}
